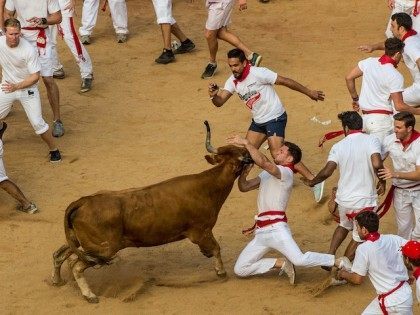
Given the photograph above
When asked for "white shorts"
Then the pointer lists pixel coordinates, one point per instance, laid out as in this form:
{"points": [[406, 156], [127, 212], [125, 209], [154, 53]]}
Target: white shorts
{"points": [[349, 224], [45, 58], [378, 125], [219, 14], [407, 212], [163, 10], [3, 175], [411, 94], [31, 103]]}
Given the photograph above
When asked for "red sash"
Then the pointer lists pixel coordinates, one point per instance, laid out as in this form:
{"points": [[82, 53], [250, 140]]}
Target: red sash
{"points": [[41, 40], [386, 204], [352, 215], [377, 111], [334, 134], [381, 297], [261, 223]]}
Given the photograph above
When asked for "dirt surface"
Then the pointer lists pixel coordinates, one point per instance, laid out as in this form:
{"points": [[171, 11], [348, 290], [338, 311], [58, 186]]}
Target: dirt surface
{"points": [[143, 123]]}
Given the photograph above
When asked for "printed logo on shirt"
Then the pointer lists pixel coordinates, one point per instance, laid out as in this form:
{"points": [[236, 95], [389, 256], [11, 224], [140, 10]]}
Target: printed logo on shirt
{"points": [[250, 98], [31, 93]]}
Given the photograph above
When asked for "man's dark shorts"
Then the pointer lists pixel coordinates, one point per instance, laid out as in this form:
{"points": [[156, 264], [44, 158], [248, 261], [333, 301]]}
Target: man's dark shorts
{"points": [[274, 127]]}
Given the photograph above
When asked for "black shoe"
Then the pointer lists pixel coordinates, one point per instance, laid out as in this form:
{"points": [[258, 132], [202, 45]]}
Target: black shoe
{"points": [[55, 156], [167, 56], [186, 46], [209, 71], [2, 130], [86, 85]]}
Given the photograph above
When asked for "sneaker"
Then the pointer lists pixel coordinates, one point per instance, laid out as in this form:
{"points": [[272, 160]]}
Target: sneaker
{"points": [[121, 38], [167, 56], [86, 85], [58, 128], [344, 263], [2, 130], [185, 47], [255, 60], [30, 210], [336, 282], [318, 191], [59, 74], [55, 156], [209, 71], [289, 269], [85, 39]]}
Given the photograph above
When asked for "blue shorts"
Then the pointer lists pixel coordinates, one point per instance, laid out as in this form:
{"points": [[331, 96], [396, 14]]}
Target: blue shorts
{"points": [[274, 127]]}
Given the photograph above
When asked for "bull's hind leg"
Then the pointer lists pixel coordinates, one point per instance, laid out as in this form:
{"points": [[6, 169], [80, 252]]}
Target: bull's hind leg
{"points": [[59, 256], [78, 267], [210, 248]]}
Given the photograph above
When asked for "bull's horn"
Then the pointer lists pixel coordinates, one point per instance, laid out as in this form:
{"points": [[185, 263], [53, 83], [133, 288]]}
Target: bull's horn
{"points": [[209, 147]]}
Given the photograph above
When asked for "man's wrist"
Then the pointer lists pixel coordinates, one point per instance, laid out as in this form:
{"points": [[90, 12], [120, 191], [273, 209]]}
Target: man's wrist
{"points": [[44, 21], [355, 98]]}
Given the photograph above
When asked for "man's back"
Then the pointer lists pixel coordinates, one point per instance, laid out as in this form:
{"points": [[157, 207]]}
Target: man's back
{"points": [[411, 54]]}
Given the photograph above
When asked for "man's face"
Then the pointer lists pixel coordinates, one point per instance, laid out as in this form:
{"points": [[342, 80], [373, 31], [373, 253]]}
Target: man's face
{"points": [[282, 156], [360, 231], [401, 131], [395, 29], [12, 36], [236, 66]]}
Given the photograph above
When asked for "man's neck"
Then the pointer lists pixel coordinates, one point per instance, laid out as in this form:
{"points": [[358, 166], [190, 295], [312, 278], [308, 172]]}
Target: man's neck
{"points": [[407, 137]]}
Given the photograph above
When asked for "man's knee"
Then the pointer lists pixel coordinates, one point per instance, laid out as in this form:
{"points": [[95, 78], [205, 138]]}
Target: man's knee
{"points": [[240, 270], [210, 34]]}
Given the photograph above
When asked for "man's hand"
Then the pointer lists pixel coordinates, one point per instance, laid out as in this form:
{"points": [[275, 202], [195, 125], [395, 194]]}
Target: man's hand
{"points": [[213, 89], [237, 140], [366, 48], [247, 169], [242, 5], [306, 181], [35, 22], [8, 87], [381, 187], [385, 173], [355, 105], [391, 4], [316, 95]]}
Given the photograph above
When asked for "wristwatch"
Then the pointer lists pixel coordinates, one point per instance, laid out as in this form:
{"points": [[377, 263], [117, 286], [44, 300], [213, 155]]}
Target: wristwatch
{"points": [[44, 21]]}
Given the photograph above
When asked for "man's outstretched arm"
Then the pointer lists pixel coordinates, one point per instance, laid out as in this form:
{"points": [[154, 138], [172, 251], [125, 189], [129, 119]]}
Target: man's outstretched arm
{"points": [[292, 84]]}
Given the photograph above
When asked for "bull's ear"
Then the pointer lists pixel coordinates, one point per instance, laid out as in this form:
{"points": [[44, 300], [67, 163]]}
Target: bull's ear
{"points": [[211, 159]]}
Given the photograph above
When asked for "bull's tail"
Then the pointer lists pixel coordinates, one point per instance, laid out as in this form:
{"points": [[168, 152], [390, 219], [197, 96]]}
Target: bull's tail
{"points": [[72, 239]]}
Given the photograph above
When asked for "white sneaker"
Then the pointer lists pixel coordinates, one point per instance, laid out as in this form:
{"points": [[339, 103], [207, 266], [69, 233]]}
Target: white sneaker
{"points": [[289, 269], [335, 282], [318, 191], [344, 263]]}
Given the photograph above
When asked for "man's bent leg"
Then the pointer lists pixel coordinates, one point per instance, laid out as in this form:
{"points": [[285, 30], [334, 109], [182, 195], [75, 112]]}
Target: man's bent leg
{"points": [[403, 213], [255, 138], [89, 16], [211, 38], [13, 190], [234, 40], [176, 30], [338, 237], [53, 96]]}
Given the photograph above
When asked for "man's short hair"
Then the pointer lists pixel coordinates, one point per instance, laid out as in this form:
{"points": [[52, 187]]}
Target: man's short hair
{"points": [[408, 119], [369, 220], [403, 19], [393, 45], [237, 53], [294, 151], [351, 120], [12, 22]]}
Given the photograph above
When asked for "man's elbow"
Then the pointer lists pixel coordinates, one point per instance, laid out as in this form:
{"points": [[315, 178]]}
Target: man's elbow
{"points": [[357, 280]]}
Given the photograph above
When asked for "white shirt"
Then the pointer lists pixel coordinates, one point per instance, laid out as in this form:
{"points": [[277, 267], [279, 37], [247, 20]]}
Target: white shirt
{"points": [[274, 193], [27, 9], [19, 62], [258, 93], [356, 186], [379, 81], [403, 161], [410, 54], [418, 289], [382, 260]]}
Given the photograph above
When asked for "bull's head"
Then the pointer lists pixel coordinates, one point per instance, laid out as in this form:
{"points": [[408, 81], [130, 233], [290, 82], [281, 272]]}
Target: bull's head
{"points": [[239, 156]]}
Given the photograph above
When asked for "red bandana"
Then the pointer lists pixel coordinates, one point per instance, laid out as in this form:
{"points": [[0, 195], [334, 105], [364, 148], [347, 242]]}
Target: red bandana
{"points": [[416, 273], [409, 33], [335, 134], [387, 59], [414, 136], [374, 236], [244, 74], [291, 166]]}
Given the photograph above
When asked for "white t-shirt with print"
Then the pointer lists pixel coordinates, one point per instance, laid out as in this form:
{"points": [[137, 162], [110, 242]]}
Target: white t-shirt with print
{"points": [[19, 62], [258, 93], [379, 81], [356, 186]]}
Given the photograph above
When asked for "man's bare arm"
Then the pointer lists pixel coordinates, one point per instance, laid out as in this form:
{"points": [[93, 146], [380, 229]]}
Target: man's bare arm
{"points": [[323, 174], [218, 96], [399, 104], [8, 87], [351, 277], [386, 173], [351, 86], [292, 84], [244, 184], [372, 47]]}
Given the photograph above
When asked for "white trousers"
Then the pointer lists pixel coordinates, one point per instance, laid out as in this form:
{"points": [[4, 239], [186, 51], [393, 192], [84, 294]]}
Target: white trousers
{"points": [[163, 10], [3, 175], [118, 10], [407, 212], [278, 237], [31, 103], [401, 302], [406, 6], [378, 125], [70, 37], [411, 94]]}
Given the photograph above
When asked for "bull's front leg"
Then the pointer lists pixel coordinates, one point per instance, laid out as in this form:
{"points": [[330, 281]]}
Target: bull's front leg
{"points": [[210, 248], [59, 257]]}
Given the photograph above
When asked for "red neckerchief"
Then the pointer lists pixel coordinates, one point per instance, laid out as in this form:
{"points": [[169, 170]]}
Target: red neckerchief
{"points": [[244, 74], [354, 131], [374, 236], [291, 166], [416, 273], [387, 59], [409, 33], [414, 136], [335, 134]]}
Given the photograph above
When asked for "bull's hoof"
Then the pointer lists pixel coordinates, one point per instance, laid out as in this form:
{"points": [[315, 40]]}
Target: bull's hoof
{"points": [[221, 273], [91, 299], [58, 283]]}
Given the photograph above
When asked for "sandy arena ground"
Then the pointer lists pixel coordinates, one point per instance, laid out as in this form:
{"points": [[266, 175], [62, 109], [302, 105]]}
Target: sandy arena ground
{"points": [[143, 123]]}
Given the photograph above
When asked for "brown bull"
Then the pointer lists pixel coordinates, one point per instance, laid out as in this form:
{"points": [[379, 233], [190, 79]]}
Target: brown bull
{"points": [[100, 225]]}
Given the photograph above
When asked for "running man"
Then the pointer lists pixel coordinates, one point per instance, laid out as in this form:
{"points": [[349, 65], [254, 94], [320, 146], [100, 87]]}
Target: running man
{"points": [[411, 7]]}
